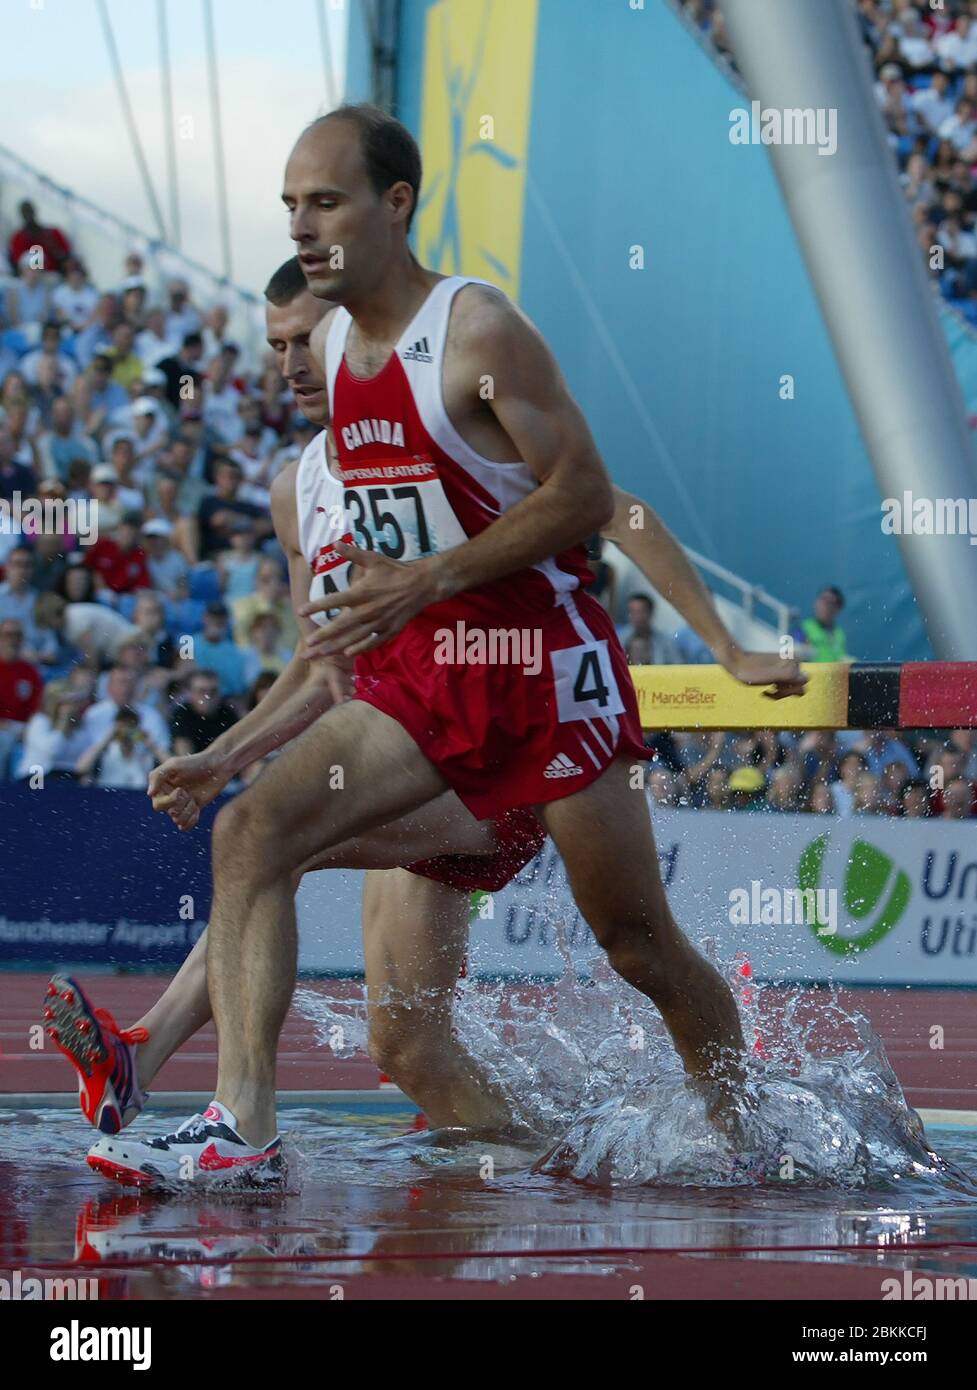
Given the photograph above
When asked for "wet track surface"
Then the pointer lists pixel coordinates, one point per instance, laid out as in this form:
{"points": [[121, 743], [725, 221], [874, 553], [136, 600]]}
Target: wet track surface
{"points": [[374, 1209]]}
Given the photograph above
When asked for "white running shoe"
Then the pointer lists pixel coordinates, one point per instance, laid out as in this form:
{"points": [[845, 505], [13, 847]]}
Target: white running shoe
{"points": [[205, 1152]]}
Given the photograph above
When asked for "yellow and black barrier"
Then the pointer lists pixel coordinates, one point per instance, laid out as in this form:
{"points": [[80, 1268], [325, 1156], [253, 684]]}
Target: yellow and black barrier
{"points": [[860, 695]]}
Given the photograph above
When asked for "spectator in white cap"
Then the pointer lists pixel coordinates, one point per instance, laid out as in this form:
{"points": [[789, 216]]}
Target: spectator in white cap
{"points": [[154, 385], [893, 98], [154, 388], [168, 568]]}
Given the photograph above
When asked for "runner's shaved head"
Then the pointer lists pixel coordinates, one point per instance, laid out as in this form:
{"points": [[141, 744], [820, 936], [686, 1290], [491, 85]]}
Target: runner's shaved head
{"points": [[390, 153]]}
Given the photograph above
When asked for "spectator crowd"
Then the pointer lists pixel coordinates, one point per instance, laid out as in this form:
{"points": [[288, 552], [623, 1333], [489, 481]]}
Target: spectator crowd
{"points": [[884, 772], [157, 637], [924, 57]]}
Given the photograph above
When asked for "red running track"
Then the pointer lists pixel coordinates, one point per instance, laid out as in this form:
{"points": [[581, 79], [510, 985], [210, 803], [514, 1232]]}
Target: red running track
{"points": [[447, 1235]]}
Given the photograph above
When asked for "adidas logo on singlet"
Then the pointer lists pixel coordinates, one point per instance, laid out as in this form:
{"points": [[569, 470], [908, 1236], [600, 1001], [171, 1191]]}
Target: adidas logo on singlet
{"points": [[562, 766], [420, 352]]}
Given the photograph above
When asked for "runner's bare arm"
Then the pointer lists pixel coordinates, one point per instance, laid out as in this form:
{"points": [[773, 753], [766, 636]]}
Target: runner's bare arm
{"points": [[301, 694], [497, 353], [507, 370], [638, 530]]}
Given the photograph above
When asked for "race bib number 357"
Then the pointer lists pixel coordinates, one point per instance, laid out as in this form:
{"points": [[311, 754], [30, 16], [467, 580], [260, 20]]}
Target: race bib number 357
{"points": [[399, 508]]}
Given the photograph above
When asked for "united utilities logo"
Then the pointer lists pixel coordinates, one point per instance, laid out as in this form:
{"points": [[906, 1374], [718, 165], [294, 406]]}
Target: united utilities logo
{"points": [[876, 892]]}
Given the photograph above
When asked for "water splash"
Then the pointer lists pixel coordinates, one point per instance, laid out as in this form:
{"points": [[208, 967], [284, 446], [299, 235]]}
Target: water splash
{"points": [[587, 1066]]}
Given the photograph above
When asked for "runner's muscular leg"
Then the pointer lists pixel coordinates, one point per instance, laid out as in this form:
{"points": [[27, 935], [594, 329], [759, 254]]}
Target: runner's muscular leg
{"points": [[415, 935], [617, 885], [443, 826], [260, 841]]}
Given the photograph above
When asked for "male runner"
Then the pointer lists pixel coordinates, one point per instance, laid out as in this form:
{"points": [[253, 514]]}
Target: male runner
{"points": [[415, 928], [462, 453]]}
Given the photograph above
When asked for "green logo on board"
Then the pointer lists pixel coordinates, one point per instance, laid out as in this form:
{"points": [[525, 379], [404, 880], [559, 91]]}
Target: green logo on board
{"points": [[872, 882]]}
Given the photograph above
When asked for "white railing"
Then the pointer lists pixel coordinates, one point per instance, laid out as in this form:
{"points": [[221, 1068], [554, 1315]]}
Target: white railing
{"points": [[749, 596], [739, 613]]}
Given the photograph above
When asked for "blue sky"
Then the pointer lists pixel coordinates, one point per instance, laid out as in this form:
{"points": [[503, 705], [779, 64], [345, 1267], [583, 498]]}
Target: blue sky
{"points": [[60, 112]]}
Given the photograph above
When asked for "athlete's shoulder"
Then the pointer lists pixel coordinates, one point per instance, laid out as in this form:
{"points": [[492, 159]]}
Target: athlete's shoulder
{"points": [[484, 316], [284, 506], [478, 303]]}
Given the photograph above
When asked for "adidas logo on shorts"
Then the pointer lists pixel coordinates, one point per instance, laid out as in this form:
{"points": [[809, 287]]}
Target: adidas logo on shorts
{"points": [[420, 352], [562, 766]]}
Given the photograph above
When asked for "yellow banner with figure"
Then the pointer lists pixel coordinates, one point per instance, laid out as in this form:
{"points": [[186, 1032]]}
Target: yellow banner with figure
{"points": [[479, 61]]}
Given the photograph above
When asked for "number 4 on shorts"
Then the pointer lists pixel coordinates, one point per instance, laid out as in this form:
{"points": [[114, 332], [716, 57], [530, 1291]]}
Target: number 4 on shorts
{"points": [[586, 687]]}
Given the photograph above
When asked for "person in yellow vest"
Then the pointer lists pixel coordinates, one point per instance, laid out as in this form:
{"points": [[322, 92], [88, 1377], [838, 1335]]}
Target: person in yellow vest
{"points": [[822, 637]]}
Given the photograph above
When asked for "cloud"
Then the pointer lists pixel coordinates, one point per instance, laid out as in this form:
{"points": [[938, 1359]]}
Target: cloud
{"points": [[77, 136]]}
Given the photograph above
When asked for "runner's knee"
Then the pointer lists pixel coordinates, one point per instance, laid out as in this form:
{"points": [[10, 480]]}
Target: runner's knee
{"points": [[407, 1047], [238, 836]]}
